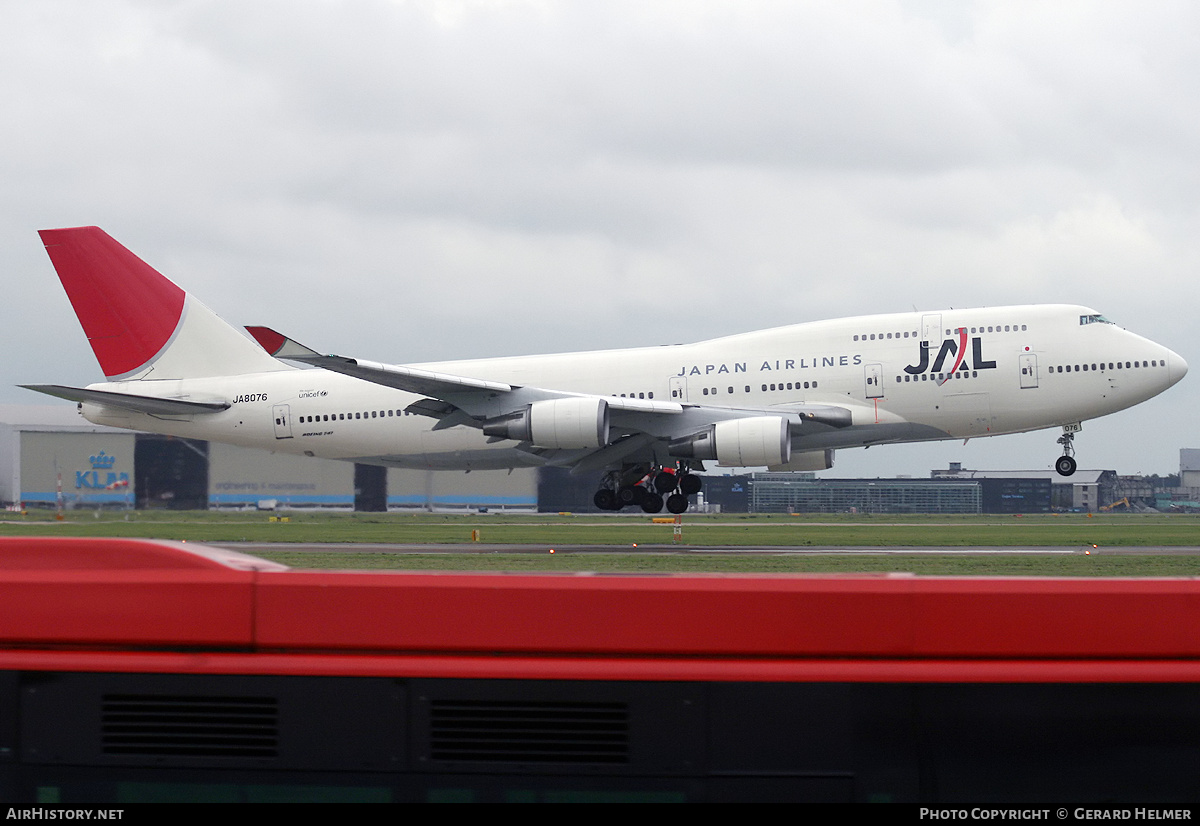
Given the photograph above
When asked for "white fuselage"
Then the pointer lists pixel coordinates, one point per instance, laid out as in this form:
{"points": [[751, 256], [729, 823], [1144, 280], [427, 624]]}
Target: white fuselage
{"points": [[905, 377]]}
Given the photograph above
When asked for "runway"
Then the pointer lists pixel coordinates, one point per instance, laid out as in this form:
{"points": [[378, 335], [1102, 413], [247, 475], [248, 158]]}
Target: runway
{"points": [[798, 550]]}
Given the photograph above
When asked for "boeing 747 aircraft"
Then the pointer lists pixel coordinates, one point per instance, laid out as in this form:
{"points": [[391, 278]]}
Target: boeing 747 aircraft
{"points": [[784, 398]]}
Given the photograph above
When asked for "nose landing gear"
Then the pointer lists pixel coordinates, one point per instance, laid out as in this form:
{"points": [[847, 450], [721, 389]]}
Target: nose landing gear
{"points": [[1065, 465]]}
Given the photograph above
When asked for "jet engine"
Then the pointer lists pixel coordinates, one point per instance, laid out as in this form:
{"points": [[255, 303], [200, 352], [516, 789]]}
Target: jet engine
{"points": [[555, 423], [751, 442]]}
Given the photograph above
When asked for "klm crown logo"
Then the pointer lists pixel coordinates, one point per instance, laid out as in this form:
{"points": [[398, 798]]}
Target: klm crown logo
{"points": [[102, 461]]}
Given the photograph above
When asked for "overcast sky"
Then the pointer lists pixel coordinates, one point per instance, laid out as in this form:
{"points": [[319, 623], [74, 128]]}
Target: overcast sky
{"points": [[414, 181]]}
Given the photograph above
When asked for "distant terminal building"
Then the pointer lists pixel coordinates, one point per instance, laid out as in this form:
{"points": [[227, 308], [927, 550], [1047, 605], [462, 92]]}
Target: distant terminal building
{"points": [[965, 492], [1085, 490], [786, 493]]}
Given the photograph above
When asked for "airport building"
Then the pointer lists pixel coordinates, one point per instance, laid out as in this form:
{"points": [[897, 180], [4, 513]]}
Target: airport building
{"points": [[782, 493], [947, 491], [1086, 491], [49, 453], [1189, 468]]}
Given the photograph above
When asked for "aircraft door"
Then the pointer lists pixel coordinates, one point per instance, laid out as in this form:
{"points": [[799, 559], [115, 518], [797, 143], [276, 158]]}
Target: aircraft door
{"points": [[874, 381], [678, 388], [931, 327], [1029, 376], [283, 421]]}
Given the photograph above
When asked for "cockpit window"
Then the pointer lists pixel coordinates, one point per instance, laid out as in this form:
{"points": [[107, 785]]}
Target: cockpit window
{"points": [[1093, 319]]}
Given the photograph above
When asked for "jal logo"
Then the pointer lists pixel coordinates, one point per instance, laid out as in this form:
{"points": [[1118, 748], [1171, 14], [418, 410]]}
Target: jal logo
{"points": [[953, 351]]}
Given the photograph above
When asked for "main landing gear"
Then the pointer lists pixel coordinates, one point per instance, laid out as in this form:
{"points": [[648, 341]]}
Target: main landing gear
{"points": [[650, 490], [1066, 463]]}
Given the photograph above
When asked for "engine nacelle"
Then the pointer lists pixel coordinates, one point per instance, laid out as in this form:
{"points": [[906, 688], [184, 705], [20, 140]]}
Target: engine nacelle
{"points": [[555, 423], [749, 442], [808, 460]]}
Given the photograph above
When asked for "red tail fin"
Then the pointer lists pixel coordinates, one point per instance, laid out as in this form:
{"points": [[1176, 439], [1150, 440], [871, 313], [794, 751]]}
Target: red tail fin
{"points": [[128, 310]]}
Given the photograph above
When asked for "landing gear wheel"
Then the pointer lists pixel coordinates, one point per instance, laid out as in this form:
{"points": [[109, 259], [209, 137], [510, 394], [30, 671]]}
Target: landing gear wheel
{"points": [[677, 503], [605, 500], [689, 484], [1065, 465], [652, 502], [628, 495], [665, 481]]}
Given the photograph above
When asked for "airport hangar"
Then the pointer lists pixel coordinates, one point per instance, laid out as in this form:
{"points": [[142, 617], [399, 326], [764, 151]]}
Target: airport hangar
{"points": [[109, 467]]}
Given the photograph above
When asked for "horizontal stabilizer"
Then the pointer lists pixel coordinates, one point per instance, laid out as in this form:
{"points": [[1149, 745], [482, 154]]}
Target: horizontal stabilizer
{"points": [[127, 401]]}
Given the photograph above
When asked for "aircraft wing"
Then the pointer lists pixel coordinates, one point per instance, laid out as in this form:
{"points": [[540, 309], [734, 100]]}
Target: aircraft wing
{"points": [[152, 405], [581, 430], [427, 382]]}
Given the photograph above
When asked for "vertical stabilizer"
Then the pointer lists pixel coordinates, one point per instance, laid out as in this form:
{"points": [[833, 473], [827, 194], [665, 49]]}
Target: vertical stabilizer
{"points": [[139, 323]]}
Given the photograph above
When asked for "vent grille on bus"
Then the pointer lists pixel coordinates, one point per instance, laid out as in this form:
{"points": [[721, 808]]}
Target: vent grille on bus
{"points": [[162, 725], [527, 732]]}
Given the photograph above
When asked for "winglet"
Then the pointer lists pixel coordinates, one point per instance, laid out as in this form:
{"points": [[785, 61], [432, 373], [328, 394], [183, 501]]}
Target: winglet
{"points": [[279, 345], [268, 339]]}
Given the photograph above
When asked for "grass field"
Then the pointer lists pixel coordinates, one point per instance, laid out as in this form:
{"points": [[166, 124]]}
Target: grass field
{"points": [[537, 534]]}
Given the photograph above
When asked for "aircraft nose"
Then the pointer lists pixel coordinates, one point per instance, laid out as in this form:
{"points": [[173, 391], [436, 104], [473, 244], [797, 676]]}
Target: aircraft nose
{"points": [[1176, 367]]}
